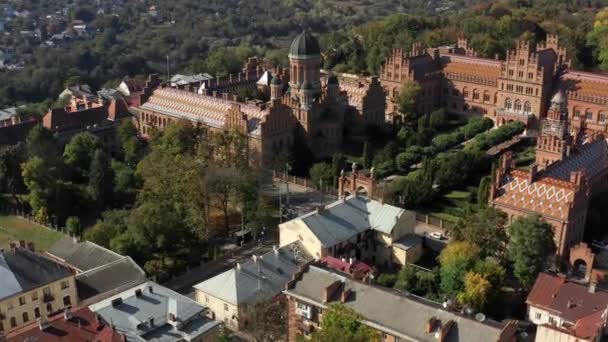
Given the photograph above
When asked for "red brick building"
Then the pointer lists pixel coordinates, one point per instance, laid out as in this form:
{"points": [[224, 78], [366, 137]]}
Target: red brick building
{"points": [[304, 105]]}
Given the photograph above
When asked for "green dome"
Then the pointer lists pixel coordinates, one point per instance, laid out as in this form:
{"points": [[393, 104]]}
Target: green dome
{"points": [[305, 44]]}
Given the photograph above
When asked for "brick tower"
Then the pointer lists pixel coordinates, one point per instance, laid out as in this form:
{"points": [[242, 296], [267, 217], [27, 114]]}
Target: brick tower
{"points": [[555, 140]]}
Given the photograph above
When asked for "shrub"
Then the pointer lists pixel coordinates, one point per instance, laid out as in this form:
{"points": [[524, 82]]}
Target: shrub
{"points": [[387, 279]]}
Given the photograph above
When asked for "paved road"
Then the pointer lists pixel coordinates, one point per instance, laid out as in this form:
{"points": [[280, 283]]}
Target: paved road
{"points": [[183, 284]]}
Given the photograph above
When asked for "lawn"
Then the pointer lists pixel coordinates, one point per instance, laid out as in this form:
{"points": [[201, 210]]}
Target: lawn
{"points": [[15, 228]]}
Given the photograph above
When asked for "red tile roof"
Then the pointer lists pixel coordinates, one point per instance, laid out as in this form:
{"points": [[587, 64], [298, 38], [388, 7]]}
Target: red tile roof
{"points": [[83, 326], [571, 301], [345, 266]]}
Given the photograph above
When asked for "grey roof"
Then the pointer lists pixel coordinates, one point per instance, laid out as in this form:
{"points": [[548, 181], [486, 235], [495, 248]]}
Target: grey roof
{"points": [[115, 275], [83, 255], [343, 219], [403, 316], [265, 79], [179, 79], [132, 317], [305, 44], [109, 94], [408, 241], [22, 270], [7, 113], [257, 280], [592, 158]]}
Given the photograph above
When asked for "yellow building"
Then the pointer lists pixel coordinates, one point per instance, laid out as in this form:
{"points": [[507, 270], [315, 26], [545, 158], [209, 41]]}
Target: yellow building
{"points": [[356, 227], [32, 286]]}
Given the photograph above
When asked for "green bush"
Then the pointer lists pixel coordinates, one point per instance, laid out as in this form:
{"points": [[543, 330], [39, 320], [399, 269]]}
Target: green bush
{"points": [[387, 279], [485, 141]]}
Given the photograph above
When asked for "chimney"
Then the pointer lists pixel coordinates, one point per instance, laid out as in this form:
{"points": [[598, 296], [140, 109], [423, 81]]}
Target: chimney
{"points": [[12, 246], [138, 293], [150, 289], [116, 301], [575, 177], [532, 173], [592, 285], [22, 244], [67, 314], [30, 246], [344, 296], [351, 260], [331, 290], [275, 248], [445, 330], [151, 322], [238, 266], [571, 303], [430, 325]]}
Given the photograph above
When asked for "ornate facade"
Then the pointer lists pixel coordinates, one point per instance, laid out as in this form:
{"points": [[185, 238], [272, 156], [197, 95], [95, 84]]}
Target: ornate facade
{"points": [[304, 105], [517, 88]]}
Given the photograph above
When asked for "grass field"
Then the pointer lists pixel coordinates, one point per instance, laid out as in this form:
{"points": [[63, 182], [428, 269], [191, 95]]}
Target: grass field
{"points": [[15, 228]]}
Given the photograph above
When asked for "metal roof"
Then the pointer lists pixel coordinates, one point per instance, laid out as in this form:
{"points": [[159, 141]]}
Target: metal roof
{"points": [[258, 279], [343, 219], [83, 255]]}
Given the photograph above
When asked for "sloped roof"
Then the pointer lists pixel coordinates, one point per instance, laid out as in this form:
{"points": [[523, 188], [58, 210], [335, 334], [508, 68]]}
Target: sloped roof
{"points": [[82, 255], [111, 276], [343, 219], [265, 79], [304, 44], [257, 279], [200, 108], [480, 68], [180, 79], [405, 316], [592, 158], [585, 86], [569, 300], [12, 134], [22, 270]]}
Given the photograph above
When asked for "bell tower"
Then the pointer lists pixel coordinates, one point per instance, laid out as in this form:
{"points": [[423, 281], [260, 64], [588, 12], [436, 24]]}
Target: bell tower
{"points": [[305, 62], [555, 140]]}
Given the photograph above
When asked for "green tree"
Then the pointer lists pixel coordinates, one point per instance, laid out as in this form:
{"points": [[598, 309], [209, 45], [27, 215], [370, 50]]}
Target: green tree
{"points": [[261, 320], [338, 162], [130, 144], [407, 98], [367, 155], [112, 224], [41, 143], [79, 152], [322, 173], [485, 228], [483, 191], [72, 224], [530, 245], [101, 179], [455, 261], [407, 278], [342, 324], [39, 182], [475, 292], [11, 180]]}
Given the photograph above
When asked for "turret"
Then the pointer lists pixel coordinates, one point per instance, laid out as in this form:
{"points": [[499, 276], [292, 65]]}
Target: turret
{"points": [[306, 95], [333, 87], [276, 89]]}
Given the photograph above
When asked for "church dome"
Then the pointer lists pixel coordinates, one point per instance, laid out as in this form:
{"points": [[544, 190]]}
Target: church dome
{"points": [[305, 44]]}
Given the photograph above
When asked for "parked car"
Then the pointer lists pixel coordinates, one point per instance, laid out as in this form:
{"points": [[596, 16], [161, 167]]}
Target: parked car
{"points": [[436, 235]]}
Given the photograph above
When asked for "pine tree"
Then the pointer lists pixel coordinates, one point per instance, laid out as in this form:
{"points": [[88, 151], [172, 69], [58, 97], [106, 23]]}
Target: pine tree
{"points": [[367, 155], [100, 178]]}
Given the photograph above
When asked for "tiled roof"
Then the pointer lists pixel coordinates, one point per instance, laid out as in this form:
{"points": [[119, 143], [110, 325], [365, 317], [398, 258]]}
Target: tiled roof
{"points": [[257, 280], [200, 108], [471, 66], [585, 84], [60, 120], [404, 316], [12, 134], [22, 270], [552, 192], [343, 219], [346, 266], [82, 326], [571, 301]]}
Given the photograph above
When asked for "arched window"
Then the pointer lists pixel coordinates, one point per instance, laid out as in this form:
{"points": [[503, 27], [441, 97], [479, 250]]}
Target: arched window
{"points": [[603, 116], [517, 107], [508, 104], [475, 94], [465, 92], [67, 301], [588, 115], [25, 317], [527, 107], [486, 96], [576, 112]]}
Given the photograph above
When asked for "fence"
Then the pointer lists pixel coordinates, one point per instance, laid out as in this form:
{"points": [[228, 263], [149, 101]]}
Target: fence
{"points": [[435, 221], [304, 182], [30, 218]]}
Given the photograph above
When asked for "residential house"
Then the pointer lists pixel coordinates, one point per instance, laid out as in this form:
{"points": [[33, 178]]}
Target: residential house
{"points": [[353, 227], [100, 272], [152, 313], [229, 294], [70, 325], [32, 286], [189, 82], [567, 311], [395, 316]]}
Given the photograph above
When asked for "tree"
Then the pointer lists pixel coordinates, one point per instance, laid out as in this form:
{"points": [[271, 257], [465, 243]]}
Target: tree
{"points": [[41, 143], [338, 162], [261, 320], [530, 245], [11, 180], [321, 175], [455, 261], [483, 191], [72, 224], [407, 278], [101, 179], [484, 228], [475, 292], [342, 324], [39, 181], [79, 152], [129, 142], [410, 90], [367, 155]]}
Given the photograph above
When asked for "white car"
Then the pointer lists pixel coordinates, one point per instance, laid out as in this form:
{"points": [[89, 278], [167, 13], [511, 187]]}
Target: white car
{"points": [[436, 235]]}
